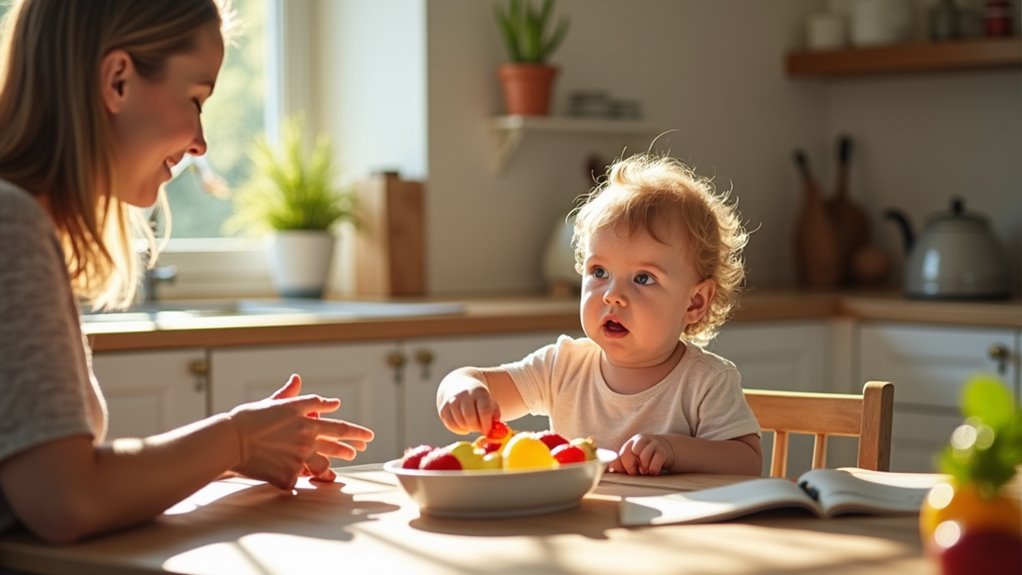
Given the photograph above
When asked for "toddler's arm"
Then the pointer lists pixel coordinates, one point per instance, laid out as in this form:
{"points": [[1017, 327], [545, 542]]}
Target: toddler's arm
{"points": [[653, 454], [470, 399]]}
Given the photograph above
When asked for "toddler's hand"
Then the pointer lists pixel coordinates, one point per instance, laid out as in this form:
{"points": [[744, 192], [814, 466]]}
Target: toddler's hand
{"points": [[469, 410], [644, 454]]}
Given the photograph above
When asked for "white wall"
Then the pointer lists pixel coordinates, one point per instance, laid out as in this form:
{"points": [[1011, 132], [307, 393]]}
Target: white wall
{"points": [[712, 70]]}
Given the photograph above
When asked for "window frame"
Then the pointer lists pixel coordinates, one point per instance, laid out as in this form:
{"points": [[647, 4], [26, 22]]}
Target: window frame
{"points": [[237, 267]]}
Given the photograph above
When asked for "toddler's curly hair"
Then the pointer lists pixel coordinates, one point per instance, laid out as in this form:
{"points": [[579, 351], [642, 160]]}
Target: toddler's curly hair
{"points": [[660, 195]]}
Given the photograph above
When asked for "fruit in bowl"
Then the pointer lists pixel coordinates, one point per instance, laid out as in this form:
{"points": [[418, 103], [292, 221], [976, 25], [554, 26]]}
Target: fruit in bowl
{"points": [[502, 448], [461, 479]]}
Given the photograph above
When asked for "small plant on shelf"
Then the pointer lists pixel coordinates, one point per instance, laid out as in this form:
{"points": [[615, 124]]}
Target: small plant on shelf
{"points": [[526, 33], [530, 39]]}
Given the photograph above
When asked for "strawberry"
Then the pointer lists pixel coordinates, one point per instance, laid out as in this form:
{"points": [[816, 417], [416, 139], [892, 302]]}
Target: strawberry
{"points": [[440, 460], [551, 439], [413, 456], [498, 430], [491, 446], [567, 453]]}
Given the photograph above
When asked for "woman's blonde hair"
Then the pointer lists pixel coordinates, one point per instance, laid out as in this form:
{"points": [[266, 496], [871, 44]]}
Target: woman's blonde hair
{"points": [[661, 196], [56, 141]]}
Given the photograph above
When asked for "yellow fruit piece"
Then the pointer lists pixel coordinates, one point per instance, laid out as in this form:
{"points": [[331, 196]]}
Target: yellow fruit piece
{"points": [[492, 460], [466, 454], [965, 505], [525, 451]]}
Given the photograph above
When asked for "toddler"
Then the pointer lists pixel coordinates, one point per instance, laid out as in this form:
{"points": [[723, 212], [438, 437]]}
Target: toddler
{"points": [[660, 256]]}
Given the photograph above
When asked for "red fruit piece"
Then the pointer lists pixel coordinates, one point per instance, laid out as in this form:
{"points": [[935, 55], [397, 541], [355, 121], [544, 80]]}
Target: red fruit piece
{"points": [[491, 446], [988, 552], [566, 453], [552, 439], [498, 430], [413, 456], [440, 460]]}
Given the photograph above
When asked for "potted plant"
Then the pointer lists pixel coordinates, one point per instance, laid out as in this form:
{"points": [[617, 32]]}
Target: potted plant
{"points": [[528, 78], [291, 197]]}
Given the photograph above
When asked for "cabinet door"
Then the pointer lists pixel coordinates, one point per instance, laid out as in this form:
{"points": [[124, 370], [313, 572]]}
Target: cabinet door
{"points": [[355, 373], [432, 359], [792, 356], [928, 366], [152, 392]]}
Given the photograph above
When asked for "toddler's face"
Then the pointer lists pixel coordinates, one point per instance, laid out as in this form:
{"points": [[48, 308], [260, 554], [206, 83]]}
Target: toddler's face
{"points": [[638, 295]]}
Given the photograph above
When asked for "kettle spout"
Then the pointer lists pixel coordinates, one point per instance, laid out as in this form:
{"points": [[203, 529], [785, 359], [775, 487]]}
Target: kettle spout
{"points": [[901, 220]]}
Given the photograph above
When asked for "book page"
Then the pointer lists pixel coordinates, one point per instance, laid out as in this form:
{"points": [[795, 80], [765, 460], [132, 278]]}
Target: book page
{"points": [[715, 504], [840, 492]]}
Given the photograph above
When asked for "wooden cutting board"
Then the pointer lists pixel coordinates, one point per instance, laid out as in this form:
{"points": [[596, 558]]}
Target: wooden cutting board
{"points": [[390, 253]]}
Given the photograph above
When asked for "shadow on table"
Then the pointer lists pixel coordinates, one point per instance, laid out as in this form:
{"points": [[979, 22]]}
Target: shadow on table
{"points": [[590, 519]]}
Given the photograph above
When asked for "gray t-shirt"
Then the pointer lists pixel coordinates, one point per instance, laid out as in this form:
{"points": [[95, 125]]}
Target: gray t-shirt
{"points": [[47, 390]]}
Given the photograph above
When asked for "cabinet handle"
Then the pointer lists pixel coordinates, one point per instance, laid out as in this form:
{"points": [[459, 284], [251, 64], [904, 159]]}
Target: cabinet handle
{"points": [[424, 358], [1000, 354], [199, 368], [397, 361]]}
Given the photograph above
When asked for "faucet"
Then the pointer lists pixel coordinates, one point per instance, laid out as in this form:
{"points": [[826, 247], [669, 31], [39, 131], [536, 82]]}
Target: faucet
{"points": [[153, 276]]}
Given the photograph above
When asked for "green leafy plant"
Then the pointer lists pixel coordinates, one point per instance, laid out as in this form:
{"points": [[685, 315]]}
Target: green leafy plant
{"points": [[290, 189], [987, 448], [525, 31]]}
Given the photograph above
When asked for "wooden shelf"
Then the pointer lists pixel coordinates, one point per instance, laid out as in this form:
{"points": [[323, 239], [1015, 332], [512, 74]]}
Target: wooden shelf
{"points": [[508, 131], [972, 54]]}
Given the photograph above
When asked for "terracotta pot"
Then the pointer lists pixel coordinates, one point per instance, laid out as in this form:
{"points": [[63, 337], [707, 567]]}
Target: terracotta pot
{"points": [[527, 88]]}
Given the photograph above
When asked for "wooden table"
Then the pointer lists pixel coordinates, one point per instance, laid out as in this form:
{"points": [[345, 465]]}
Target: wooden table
{"points": [[364, 523]]}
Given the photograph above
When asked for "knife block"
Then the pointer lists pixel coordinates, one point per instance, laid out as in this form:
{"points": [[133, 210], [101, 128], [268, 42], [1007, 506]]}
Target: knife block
{"points": [[389, 245]]}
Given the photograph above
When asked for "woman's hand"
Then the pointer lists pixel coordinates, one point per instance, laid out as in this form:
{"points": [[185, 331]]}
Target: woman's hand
{"points": [[283, 436], [644, 454]]}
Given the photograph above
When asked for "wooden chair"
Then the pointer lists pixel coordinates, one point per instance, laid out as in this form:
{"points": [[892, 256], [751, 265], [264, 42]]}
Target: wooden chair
{"points": [[867, 416]]}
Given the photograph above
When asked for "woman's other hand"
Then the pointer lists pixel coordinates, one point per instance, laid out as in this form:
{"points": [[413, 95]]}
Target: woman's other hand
{"points": [[283, 436]]}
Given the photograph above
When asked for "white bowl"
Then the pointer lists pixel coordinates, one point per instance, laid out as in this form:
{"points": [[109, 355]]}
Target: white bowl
{"points": [[501, 493]]}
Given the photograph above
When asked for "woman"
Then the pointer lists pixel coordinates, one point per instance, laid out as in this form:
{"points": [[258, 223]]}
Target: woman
{"points": [[98, 101]]}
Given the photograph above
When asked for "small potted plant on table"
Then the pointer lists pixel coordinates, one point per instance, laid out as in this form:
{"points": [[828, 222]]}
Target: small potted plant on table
{"points": [[291, 197], [528, 78]]}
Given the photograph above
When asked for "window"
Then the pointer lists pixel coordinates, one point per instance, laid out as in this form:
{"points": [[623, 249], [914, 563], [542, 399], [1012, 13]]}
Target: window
{"points": [[232, 119]]}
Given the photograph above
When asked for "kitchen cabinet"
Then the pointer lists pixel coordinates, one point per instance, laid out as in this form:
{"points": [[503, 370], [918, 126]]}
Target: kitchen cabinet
{"points": [[357, 373], [929, 365], [152, 392], [791, 356], [971, 54]]}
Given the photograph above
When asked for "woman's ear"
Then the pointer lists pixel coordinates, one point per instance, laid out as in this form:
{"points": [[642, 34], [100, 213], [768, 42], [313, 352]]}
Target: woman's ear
{"points": [[699, 300], [114, 71]]}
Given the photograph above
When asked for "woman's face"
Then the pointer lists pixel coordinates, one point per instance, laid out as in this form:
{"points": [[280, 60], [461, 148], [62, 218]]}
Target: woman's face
{"points": [[157, 121]]}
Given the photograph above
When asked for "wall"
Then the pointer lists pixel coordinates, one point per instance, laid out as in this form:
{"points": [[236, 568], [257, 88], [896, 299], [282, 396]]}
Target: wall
{"points": [[714, 71]]}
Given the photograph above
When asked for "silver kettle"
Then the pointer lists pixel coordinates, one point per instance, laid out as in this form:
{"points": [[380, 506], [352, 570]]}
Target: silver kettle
{"points": [[958, 256]]}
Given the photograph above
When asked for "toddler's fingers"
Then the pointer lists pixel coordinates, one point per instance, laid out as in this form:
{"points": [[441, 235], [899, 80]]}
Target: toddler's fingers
{"points": [[316, 464]]}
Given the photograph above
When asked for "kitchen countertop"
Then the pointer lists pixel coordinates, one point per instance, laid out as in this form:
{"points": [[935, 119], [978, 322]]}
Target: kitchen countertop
{"points": [[536, 313], [365, 523]]}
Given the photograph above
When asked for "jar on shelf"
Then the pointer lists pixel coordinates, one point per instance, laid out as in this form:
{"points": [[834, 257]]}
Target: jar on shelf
{"points": [[997, 18]]}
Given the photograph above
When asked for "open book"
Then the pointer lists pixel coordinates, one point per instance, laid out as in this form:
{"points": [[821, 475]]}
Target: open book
{"points": [[825, 492]]}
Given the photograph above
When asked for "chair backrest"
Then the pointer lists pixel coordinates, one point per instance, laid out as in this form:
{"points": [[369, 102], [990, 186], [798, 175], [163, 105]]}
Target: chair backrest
{"points": [[867, 416]]}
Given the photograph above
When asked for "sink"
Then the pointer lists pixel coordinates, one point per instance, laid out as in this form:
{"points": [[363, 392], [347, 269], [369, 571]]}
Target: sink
{"points": [[326, 309]]}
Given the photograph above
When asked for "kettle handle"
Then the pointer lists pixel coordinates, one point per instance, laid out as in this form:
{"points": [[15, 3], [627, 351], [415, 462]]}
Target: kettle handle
{"points": [[901, 220]]}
